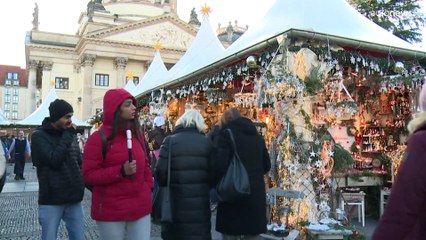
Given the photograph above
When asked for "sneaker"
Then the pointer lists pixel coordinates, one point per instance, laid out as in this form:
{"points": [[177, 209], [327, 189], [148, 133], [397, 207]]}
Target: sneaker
{"points": [[22, 178]]}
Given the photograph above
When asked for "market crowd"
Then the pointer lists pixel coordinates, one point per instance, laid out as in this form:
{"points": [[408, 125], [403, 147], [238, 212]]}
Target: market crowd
{"points": [[125, 165]]}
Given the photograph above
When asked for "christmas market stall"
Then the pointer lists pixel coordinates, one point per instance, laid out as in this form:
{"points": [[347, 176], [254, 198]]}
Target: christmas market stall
{"points": [[330, 91]]}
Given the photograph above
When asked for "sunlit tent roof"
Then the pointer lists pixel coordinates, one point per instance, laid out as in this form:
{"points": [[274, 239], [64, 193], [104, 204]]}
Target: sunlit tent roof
{"points": [[335, 18], [156, 70], [36, 118], [130, 86], [205, 48], [3, 119]]}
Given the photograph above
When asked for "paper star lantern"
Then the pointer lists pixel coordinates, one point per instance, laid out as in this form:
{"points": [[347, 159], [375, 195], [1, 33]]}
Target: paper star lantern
{"points": [[206, 10], [157, 46]]}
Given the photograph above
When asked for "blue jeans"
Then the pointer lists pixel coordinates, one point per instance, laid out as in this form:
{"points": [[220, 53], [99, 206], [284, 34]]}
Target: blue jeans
{"points": [[49, 217], [130, 230]]}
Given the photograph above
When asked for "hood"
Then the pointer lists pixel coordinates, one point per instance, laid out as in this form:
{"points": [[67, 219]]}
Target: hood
{"points": [[112, 101], [418, 123], [244, 125]]}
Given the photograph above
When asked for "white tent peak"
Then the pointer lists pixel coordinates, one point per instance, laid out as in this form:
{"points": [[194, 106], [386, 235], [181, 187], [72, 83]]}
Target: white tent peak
{"points": [[203, 50], [36, 118], [334, 18], [130, 86], [156, 70]]}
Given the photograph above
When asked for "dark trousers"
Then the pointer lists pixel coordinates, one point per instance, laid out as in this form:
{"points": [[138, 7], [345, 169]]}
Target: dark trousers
{"points": [[19, 165]]}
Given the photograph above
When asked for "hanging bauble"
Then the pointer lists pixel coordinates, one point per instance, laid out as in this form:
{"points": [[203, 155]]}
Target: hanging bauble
{"points": [[399, 67], [251, 61]]}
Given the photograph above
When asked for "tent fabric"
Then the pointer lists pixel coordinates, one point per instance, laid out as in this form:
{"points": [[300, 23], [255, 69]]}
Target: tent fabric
{"points": [[335, 18], [203, 50], [130, 87], [36, 118], [156, 70]]}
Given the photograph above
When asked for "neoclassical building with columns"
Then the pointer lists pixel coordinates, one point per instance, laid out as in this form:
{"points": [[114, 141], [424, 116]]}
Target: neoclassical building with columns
{"points": [[114, 43]]}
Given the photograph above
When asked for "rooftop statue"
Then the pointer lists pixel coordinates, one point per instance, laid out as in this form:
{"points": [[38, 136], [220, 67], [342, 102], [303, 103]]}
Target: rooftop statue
{"points": [[35, 17], [193, 19]]}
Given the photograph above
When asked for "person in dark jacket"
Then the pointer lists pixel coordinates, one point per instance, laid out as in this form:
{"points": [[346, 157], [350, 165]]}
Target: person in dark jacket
{"points": [[156, 137], [20, 146], [57, 157], [405, 213], [121, 194], [189, 178], [245, 217]]}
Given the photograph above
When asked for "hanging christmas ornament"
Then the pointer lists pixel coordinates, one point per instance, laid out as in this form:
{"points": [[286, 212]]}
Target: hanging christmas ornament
{"points": [[399, 67], [251, 62]]}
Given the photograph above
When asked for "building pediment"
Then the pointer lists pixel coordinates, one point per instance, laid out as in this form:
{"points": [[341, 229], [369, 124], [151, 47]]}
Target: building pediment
{"points": [[167, 30]]}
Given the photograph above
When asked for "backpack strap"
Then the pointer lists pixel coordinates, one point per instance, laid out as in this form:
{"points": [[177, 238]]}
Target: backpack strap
{"points": [[104, 143]]}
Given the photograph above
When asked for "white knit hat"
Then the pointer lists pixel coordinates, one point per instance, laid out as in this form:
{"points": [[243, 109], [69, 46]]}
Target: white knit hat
{"points": [[159, 121]]}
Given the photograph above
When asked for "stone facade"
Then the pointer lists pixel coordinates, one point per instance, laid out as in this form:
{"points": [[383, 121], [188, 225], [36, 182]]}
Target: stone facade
{"points": [[109, 45]]}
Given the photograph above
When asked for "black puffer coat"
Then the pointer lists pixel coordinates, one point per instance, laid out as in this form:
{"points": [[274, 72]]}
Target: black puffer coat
{"points": [[246, 216], [189, 182], [58, 159]]}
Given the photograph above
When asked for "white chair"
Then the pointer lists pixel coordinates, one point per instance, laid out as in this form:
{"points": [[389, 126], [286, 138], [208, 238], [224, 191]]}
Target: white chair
{"points": [[354, 199]]}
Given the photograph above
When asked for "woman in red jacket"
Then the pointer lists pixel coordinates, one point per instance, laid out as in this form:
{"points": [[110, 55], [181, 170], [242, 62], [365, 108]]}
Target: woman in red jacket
{"points": [[121, 193]]}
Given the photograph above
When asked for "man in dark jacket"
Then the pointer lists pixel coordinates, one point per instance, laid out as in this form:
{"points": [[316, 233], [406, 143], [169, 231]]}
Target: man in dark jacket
{"points": [[20, 146], [56, 155]]}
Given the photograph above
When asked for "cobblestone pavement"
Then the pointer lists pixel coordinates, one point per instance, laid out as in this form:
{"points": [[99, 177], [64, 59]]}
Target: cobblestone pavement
{"points": [[18, 213]]}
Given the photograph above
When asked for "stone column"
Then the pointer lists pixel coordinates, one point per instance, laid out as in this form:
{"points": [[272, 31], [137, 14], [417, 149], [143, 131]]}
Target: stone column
{"points": [[120, 64], [87, 62], [46, 77], [32, 79]]}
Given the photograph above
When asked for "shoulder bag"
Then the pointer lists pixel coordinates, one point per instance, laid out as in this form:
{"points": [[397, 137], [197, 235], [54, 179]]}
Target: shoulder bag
{"points": [[235, 184], [162, 202]]}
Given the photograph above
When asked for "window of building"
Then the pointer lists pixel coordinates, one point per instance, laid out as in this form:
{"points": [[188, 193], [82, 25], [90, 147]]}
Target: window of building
{"points": [[6, 106], [15, 91], [7, 115], [7, 99], [7, 91], [15, 99], [61, 83], [15, 107], [15, 82], [8, 82], [101, 80], [14, 115], [12, 75]]}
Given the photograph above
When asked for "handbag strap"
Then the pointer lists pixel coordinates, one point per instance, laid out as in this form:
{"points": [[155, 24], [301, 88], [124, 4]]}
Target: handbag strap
{"points": [[234, 146], [169, 162]]}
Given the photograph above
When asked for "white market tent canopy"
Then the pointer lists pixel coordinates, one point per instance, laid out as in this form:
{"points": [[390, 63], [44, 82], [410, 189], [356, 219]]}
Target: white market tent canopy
{"points": [[336, 21], [37, 117], [335, 18], [205, 48], [130, 86], [156, 70]]}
